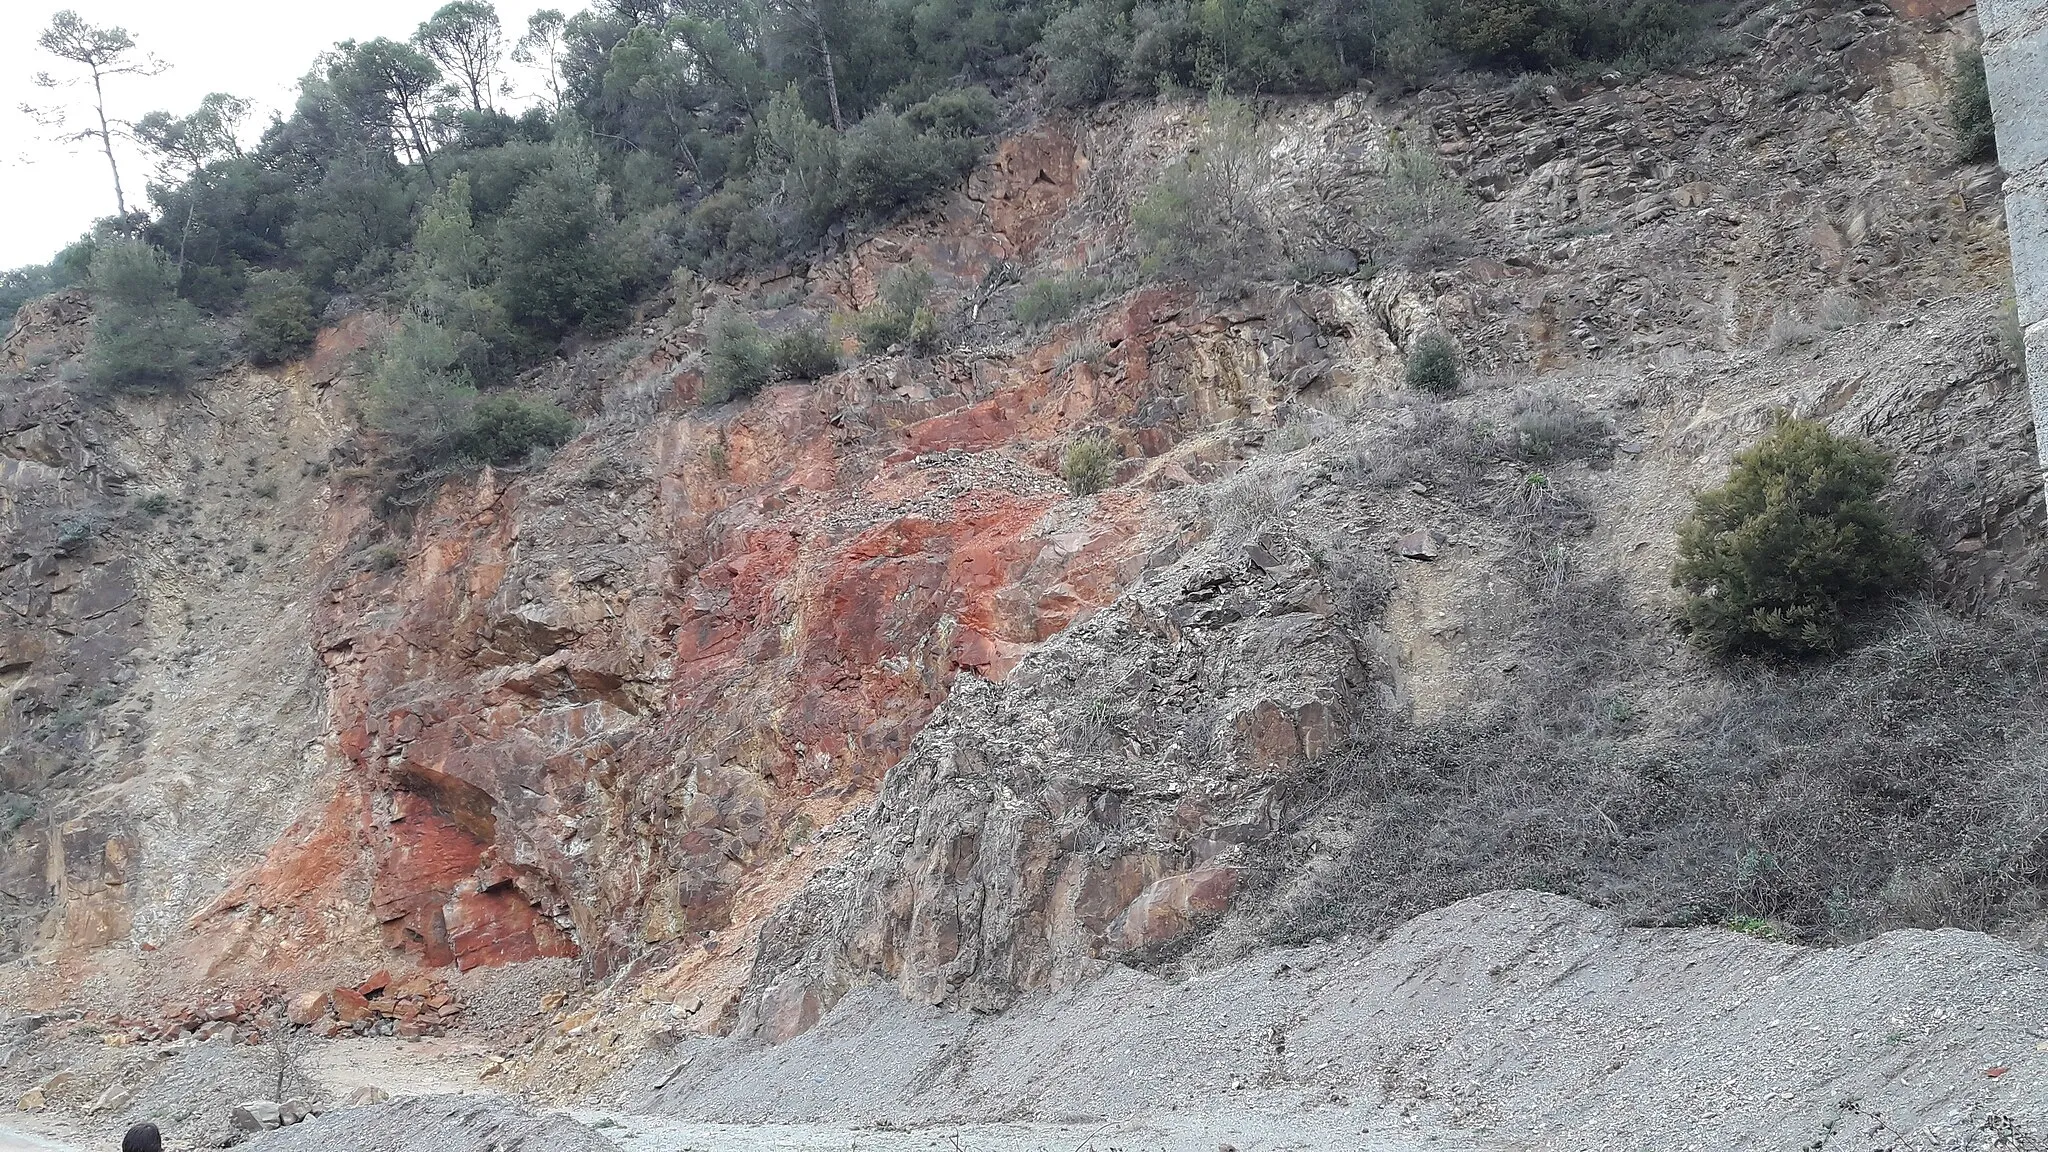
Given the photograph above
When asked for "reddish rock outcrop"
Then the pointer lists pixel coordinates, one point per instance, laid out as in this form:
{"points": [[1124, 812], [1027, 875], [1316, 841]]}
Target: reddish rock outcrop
{"points": [[1168, 907], [607, 702]]}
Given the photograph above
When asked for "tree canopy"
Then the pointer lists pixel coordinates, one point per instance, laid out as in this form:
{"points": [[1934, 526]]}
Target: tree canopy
{"points": [[514, 194]]}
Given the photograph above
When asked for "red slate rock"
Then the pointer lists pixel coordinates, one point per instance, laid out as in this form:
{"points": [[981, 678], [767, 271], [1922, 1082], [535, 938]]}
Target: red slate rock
{"points": [[307, 1008], [350, 1005], [1169, 906]]}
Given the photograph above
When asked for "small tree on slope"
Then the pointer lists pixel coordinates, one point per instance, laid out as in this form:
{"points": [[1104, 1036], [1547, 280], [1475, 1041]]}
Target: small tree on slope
{"points": [[1780, 558]]}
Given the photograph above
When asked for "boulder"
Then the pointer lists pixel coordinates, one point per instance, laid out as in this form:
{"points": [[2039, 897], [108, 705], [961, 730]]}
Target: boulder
{"points": [[1420, 545], [255, 1116], [1170, 906], [307, 1008], [114, 1099], [32, 1101], [350, 1005], [293, 1111]]}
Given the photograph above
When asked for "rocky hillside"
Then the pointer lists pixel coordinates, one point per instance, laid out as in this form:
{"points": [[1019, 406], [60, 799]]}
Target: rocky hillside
{"points": [[744, 706]]}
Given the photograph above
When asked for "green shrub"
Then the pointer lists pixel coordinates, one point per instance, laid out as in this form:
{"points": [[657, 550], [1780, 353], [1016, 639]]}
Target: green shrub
{"points": [[804, 354], [419, 398], [886, 163], [1087, 464], [807, 177], [555, 266], [1205, 220], [1969, 110], [445, 279], [737, 359], [76, 532], [1085, 47], [347, 228], [955, 112], [880, 329], [154, 504], [925, 333], [1780, 558], [1054, 298], [144, 337], [895, 314], [280, 324], [1433, 364], [1547, 35], [505, 427], [732, 233]]}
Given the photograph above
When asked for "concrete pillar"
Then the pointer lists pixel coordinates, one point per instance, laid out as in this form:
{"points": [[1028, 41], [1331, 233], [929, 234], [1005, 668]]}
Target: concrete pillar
{"points": [[2016, 64]]}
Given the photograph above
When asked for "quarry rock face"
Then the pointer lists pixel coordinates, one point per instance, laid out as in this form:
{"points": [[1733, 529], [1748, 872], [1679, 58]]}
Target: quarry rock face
{"points": [[1092, 804], [605, 705], [844, 684]]}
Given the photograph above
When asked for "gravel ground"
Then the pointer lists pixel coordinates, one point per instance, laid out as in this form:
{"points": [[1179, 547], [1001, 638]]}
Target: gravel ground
{"points": [[1514, 1020], [439, 1123]]}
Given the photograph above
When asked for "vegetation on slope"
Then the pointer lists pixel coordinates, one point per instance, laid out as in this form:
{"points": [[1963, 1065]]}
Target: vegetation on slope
{"points": [[681, 133], [1781, 557]]}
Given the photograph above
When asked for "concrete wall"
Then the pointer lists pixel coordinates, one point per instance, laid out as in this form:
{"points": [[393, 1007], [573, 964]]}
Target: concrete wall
{"points": [[2016, 63]]}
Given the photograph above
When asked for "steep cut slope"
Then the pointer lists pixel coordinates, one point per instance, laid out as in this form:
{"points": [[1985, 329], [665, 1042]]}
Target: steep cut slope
{"points": [[749, 707], [166, 716], [1664, 266]]}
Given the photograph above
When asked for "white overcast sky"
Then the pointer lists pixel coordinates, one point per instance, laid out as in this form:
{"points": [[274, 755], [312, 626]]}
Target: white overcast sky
{"points": [[256, 49]]}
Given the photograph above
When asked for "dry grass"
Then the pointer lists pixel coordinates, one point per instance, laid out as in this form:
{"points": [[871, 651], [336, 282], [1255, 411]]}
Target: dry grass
{"points": [[1898, 787], [1428, 446], [1252, 501], [1548, 425]]}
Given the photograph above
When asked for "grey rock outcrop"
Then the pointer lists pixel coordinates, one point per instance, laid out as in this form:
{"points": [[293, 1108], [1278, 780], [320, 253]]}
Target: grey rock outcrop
{"points": [[2016, 66]]}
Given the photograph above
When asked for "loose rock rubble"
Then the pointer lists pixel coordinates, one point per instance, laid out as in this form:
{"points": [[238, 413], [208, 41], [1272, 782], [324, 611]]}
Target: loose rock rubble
{"points": [[410, 1007], [253, 1116], [1512, 1020], [443, 1123]]}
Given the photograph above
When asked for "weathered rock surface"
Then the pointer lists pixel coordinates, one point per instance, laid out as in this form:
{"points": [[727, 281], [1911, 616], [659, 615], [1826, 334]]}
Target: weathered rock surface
{"points": [[1644, 256], [1092, 802], [752, 706]]}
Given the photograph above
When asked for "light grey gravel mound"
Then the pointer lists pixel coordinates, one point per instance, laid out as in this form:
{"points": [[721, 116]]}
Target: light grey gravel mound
{"points": [[440, 1123], [1514, 1019]]}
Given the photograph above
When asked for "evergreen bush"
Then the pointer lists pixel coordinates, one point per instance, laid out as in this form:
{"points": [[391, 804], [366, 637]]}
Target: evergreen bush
{"points": [[1087, 464], [804, 354], [1433, 364], [280, 324], [1781, 558], [144, 338], [737, 359]]}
